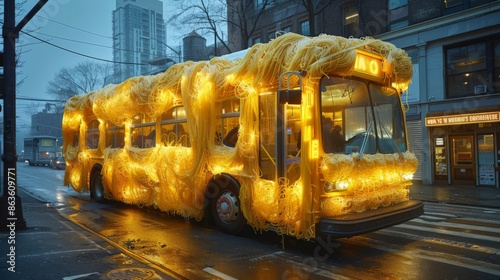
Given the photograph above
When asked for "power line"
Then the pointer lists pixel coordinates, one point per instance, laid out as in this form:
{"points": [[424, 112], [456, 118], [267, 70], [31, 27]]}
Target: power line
{"points": [[39, 99], [76, 28], [93, 44], [78, 53]]}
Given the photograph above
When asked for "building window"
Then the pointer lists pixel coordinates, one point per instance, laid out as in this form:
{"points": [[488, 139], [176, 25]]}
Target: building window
{"points": [[452, 3], [497, 64], [351, 21], [453, 6], [304, 28], [271, 35], [254, 41], [467, 69], [398, 14]]}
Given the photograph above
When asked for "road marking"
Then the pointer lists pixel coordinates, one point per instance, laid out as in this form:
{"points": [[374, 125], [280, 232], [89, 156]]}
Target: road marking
{"points": [[307, 265], [481, 221], [218, 273], [458, 226], [449, 232], [58, 252], [458, 261], [79, 276], [439, 214], [448, 242]]}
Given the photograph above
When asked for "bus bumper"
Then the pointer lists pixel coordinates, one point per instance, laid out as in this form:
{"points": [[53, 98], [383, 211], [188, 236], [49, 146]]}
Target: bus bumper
{"points": [[368, 221]]}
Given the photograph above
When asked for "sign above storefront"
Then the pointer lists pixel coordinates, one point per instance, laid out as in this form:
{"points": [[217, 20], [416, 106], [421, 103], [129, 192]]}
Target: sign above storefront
{"points": [[463, 119]]}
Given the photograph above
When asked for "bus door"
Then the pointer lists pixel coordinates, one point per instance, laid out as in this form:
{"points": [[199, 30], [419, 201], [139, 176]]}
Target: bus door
{"points": [[288, 126], [36, 151]]}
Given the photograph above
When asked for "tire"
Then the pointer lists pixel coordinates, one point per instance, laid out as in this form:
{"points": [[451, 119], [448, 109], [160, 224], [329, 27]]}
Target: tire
{"points": [[97, 186], [224, 205]]}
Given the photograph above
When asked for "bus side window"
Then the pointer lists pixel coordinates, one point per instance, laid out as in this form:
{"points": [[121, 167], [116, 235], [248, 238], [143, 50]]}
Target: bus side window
{"points": [[150, 140], [142, 127], [168, 137], [115, 137], [231, 137], [137, 138], [92, 135], [182, 135], [76, 140], [174, 128], [227, 133]]}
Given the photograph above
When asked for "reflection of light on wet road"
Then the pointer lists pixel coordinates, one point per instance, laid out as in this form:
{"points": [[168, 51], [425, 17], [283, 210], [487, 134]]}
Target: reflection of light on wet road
{"points": [[59, 197]]}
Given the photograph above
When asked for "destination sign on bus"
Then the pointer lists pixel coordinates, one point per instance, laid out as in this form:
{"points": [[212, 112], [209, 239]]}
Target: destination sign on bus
{"points": [[368, 65]]}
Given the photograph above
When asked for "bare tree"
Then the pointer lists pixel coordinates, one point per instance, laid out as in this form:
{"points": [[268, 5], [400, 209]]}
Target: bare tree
{"points": [[246, 15], [210, 16], [313, 8], [32, 109], [203, 16], [82, 78]]}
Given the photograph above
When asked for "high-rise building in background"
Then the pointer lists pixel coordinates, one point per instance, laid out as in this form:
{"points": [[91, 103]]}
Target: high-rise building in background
{"points": [[138, 36]]}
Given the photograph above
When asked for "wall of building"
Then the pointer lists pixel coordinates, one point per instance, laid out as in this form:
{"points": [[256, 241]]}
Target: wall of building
{"points": [[431, 38], [425, 29]]}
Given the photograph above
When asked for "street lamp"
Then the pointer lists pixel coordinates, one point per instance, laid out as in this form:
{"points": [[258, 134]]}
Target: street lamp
{"points": [[172, 49], [176, 52]]}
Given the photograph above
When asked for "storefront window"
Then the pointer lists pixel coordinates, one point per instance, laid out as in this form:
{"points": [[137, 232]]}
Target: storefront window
{"points": [[441, 168], [486, 159]]}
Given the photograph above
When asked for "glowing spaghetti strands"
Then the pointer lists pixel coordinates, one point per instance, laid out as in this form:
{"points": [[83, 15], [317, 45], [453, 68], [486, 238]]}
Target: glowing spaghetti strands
{"points": [[380, 184], [173, 178]]}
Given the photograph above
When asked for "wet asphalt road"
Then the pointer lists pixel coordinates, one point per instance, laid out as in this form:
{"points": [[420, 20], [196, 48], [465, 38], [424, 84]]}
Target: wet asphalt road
{"points": [[447, 242]]}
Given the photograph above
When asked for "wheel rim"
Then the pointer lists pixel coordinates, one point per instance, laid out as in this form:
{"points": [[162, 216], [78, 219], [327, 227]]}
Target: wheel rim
{"points": [[227, 207]]}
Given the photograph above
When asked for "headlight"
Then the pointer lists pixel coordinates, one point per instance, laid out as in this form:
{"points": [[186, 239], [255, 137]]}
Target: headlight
{"points": [[337, 186], [341, 185], [408, 177]]}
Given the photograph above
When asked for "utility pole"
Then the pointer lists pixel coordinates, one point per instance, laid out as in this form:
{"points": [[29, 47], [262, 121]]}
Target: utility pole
{"points": [[11, 211]]}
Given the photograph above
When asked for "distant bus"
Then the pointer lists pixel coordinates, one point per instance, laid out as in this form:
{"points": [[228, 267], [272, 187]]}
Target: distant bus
{"points": [[38, 150]]}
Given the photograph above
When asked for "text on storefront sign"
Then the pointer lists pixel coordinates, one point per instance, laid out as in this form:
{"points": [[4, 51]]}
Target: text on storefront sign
{"points": [[463, 119]]}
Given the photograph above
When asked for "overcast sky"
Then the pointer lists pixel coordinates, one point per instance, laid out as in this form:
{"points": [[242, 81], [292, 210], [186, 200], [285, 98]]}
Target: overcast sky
{"points": [[81, 26]]}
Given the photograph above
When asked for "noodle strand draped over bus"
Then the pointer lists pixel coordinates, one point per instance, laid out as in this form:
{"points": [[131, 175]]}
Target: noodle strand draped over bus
{"points": [[162, 140]]}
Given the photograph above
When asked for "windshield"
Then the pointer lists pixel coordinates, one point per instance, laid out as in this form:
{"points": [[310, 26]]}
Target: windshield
{"points": [[352, 122]]}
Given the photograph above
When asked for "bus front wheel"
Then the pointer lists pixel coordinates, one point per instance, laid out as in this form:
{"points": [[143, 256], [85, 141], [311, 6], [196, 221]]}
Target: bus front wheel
{"points": [[97, 186], [225, 206]]}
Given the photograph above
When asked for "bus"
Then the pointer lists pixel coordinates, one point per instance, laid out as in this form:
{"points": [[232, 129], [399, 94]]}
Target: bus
{"points": [[305, 136], [39, 150]]}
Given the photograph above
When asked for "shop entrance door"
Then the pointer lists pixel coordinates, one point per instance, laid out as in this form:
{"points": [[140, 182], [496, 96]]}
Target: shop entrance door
{"points": [[463, 160]]}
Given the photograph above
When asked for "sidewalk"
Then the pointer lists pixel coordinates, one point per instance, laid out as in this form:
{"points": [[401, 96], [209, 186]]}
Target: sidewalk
{"points": [[53, 247], [457, 194]]}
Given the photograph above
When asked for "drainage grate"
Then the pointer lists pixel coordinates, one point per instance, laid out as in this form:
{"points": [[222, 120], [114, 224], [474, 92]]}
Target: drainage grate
{"points": [[40, 228], [131, 273]]}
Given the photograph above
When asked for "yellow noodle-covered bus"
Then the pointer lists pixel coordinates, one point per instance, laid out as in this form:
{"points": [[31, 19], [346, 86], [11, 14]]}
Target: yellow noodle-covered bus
{"points": [[305, 136]]}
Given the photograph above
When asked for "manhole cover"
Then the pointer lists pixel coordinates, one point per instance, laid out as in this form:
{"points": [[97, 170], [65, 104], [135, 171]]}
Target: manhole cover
{"points": [[131, 273]]}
